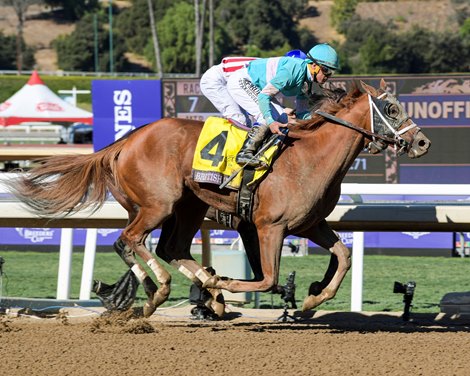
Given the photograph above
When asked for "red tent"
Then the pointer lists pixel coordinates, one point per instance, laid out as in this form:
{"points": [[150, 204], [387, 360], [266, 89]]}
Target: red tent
{"points": [[36, 102]]}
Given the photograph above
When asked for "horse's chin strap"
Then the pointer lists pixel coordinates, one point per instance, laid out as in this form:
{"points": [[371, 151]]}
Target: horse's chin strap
{"points": [[398, 142]]}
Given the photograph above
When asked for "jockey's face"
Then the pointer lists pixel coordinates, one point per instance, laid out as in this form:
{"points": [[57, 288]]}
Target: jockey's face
{"points": [[320, 73]]}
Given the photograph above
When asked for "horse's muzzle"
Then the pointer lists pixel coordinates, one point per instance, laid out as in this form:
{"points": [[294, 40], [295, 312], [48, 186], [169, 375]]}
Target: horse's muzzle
{"points": [[419, 146]]}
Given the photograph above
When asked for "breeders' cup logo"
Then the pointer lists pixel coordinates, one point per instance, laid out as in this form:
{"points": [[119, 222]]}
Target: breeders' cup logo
{"points": [[217, 232], [346, 238], [416, 235], [35, 235], [122, 100]]}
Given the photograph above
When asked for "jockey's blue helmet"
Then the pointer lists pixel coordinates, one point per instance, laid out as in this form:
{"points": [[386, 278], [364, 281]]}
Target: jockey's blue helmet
{"points": [[296, 53], [323, 54]]}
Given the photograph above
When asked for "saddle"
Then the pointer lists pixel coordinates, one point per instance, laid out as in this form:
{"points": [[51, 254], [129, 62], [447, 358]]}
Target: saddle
{"points": [[214, 163]]}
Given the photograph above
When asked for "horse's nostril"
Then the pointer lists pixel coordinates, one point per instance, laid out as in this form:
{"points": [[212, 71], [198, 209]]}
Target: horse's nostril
{"points": [[422, 143]]}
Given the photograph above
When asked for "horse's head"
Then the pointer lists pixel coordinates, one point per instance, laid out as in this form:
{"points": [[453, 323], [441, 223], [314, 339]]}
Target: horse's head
{"points": [[388, 118]]}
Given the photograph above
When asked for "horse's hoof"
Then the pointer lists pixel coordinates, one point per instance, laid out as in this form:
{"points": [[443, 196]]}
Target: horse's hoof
{"points": [[311, 302], [218, 303], [201, 312], [211, 282], [149, 309]]}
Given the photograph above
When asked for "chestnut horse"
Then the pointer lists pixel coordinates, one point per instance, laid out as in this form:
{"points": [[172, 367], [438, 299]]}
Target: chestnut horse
{"points": [[149, 174]]}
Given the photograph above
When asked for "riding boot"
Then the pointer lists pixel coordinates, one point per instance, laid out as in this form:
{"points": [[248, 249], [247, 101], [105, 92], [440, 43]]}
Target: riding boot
{"points": [[253, 141]]}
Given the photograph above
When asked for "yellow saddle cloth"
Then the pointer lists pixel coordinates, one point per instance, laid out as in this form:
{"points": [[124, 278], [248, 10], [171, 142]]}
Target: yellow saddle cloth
{"points": [[216, 149]]}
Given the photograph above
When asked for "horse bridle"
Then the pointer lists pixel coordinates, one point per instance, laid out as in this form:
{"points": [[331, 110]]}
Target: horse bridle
{"points": [[380, 114], [378, 107]]}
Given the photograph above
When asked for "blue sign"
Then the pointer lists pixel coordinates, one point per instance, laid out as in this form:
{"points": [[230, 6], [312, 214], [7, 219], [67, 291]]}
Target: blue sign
{"points": [[119, 106], [438, 110], [51, 236]]}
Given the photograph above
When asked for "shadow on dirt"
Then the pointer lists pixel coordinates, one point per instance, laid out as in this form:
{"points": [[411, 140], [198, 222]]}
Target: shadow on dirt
{"points": [[341, 322]]}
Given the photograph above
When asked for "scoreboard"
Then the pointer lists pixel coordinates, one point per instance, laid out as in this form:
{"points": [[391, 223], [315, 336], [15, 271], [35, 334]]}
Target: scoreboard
{"points": [[440, 105], [184, 99]]}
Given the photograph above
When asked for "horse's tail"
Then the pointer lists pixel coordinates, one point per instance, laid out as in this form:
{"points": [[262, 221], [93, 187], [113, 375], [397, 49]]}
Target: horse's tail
{"points": [[65, 184]]}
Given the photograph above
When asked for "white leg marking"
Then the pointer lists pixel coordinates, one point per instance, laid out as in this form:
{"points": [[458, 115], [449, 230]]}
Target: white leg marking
{"points": [[202, 275], [139, 272], [153, 264]]}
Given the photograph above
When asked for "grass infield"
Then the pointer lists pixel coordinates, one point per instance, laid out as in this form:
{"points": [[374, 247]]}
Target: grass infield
{"points": [[34, 275]]}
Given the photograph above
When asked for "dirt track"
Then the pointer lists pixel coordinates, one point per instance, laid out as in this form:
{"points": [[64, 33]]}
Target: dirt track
{"points": [[247, 342]]}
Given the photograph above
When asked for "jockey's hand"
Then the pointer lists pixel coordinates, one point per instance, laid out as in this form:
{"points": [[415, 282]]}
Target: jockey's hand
{"points": [[289, 111], [275, 127], [291, 115]]}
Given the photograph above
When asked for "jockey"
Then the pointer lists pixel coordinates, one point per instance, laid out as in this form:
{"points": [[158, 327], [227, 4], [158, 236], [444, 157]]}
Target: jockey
{"points": [[213, 85], [255, 87]]}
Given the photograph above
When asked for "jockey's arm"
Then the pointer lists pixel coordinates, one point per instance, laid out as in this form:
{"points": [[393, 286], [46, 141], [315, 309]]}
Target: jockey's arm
{"points": [[264, 101], [301, 107]]}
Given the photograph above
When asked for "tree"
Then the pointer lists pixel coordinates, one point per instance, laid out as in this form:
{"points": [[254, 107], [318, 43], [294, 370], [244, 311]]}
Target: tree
{"points": [[268, 25], [74, 9], [20, 7], [177, 44], [199, 17], [75, 51], [133, 23], [153, 29], [8, 53], [341, 12]]}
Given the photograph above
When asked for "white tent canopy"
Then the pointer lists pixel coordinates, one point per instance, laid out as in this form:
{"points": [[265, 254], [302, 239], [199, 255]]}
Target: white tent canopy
{"points": [[36, 102]]}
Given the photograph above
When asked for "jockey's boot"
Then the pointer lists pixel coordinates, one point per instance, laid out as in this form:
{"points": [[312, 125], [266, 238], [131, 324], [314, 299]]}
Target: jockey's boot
{"points": [[255, 137]]}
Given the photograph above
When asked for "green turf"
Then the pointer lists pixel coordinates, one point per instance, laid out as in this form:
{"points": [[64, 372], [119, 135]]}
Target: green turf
{"points": [[34, 275]]}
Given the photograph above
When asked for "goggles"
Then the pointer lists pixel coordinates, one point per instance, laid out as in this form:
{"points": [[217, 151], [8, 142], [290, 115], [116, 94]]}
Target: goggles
{"points": [[325, 70]]}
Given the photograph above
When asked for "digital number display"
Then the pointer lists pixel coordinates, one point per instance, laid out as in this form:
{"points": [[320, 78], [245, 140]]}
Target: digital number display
{"points": [[183, 99], [368, 168]]}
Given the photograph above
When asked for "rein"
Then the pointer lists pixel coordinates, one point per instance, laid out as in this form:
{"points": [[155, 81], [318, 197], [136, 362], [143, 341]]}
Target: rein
{"points": [[347, 124], [398, 141]]}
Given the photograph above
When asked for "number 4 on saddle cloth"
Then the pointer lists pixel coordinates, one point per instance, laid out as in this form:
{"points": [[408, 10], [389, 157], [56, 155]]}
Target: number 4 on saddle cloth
{"points": [[214, 158]]}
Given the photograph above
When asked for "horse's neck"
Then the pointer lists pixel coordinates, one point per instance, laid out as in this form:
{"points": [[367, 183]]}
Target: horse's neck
{"points": [[342, 144]]}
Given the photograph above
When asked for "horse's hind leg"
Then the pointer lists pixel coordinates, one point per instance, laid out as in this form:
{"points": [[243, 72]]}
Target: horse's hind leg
{"points": [[133, 240], [340, 262], [175, 244]]}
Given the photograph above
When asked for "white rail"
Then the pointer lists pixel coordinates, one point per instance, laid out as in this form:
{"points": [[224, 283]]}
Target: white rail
{"points": [[358, 217]]}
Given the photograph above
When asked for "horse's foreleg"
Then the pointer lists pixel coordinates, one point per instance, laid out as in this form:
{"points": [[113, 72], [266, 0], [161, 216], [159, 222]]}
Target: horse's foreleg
{"points": [[340, 262], [270, 247]]}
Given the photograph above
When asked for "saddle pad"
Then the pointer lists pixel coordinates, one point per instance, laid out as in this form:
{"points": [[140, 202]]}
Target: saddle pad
{"points": [[216, 149]]}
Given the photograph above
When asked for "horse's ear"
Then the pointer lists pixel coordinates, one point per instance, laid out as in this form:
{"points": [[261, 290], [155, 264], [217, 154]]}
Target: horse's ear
{"points": [[383, 85], [368, 89]]}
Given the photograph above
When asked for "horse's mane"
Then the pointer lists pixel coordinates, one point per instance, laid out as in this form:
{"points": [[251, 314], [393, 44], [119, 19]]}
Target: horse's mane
{"points": [[331, 101]]}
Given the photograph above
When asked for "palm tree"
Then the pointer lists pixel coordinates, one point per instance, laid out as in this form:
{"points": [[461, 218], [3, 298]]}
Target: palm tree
{"points": [[155, 39]]}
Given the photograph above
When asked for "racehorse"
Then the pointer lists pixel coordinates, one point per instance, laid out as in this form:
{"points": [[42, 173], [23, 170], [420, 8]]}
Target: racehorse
{"points": [[149, 174]]}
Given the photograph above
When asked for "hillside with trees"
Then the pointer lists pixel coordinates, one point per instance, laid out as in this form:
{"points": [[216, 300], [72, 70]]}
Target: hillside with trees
{"points": [[187, 36]]}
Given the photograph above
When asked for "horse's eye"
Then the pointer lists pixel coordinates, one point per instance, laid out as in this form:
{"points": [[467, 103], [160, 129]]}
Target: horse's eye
{"points": [[391, 110]]}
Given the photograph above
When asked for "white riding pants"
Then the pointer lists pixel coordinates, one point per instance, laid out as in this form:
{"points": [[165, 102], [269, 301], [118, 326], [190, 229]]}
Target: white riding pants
{"points": [[249, 101], [214, 86]]}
